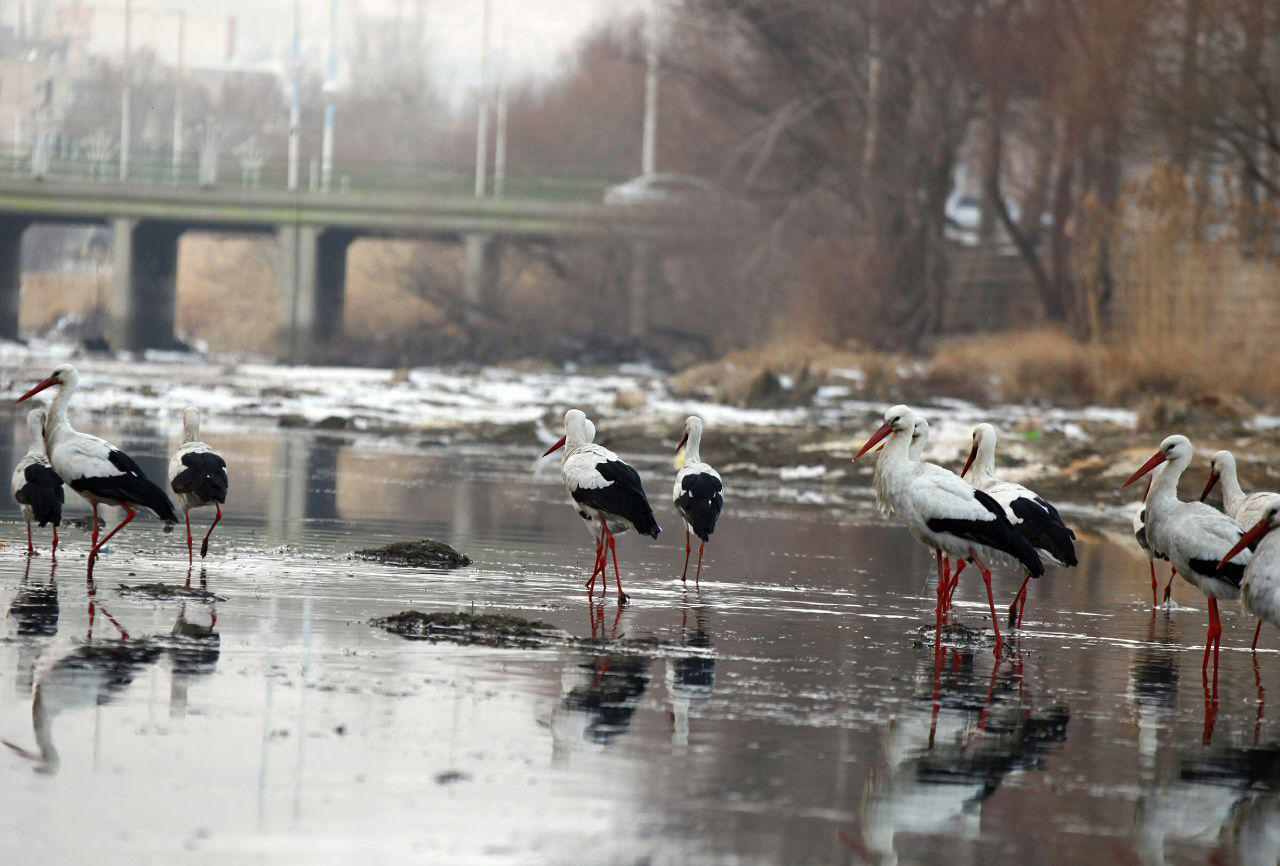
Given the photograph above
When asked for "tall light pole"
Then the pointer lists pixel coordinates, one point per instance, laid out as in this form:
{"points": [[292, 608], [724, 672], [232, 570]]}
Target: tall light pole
{"points": [[295, 98], [500, 139], [648, 145], [126, 92], [330, 88], [177, 95], [482, 127]]}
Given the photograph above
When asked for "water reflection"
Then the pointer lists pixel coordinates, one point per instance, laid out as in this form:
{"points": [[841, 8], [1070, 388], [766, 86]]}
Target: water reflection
{"points": [[89, 676], [693, 677], [1226, 797], [949, 750], [194, 651], [1153, 684], [600, 689], [34, 611]]}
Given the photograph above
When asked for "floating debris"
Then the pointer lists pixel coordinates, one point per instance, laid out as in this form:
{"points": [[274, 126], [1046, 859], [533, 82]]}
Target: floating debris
{"points": [[489, 629], [165, 591], [417, 554], [956, 635]]}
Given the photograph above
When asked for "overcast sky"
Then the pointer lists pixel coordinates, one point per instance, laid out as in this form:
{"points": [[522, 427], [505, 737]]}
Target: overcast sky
{"points": [[539, 33]]}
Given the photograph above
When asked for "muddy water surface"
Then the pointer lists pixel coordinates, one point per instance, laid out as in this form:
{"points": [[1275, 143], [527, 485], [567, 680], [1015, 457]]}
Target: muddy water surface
{"points": [[787, 711]]}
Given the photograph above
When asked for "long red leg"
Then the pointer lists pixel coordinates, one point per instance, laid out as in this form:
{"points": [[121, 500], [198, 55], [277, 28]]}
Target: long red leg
{"points": [[940, 607], [55, 542], [204, 545], [190, 555], [1022, 607], [31, 550], [955, 582], [601, 559], [1168, 587], [685, 574], [1155, 598], [991, 602], [613, 549], [1256, 632], [1013, 607], [697, 578], [94, 518], [1262, 698], [129, 514], [1208, 637]]}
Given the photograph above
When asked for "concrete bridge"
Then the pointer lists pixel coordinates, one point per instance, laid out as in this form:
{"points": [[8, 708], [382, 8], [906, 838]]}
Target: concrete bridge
{"points": [[312, 231]]}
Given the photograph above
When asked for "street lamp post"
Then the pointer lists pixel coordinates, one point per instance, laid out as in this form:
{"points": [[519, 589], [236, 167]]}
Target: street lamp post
{"points": [[648, 145], [330, 91], [177, 95], [126, 92], [295, 99], [482, 127]]}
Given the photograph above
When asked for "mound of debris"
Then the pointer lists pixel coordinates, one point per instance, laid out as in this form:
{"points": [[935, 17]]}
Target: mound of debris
{"points": [[417, 554], [489, 629], [166, 591]]}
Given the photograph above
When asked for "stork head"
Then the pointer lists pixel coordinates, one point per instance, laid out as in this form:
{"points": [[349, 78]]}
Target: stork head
{"points": [[984, 436], [897, 419], [692, 430], [1173, 448], [190, 424], [575, 431], [63, 375], [1270, 520], [1221, 462]]}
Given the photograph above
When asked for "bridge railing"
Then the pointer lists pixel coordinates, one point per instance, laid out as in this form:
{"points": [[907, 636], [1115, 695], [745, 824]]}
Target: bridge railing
{"points": [[229, 171]]}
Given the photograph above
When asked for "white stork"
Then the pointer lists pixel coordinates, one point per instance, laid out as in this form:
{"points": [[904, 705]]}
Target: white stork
{"points": [[592, 525], [944, 512], [919, 439], [698, 493], [96, 469], [1260, 586], [1140, 535], [198, 475], [1034, 518], [36, 487], [1193, 536], [603, 485], [1245, 509]]}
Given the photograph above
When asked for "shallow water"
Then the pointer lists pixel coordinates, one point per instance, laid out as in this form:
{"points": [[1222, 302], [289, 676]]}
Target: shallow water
{"points": [[789, 714]]}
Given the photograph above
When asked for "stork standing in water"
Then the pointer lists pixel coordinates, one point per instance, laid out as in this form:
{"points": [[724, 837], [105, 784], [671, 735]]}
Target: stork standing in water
{"points": [[944, 512], [1260, 586], [602, 484], [36, 487], [96, 469], [1140, 535], [698, 494], [1193, 536], [1035, 519], [592, 524], [198, 475], [1245, 509]]}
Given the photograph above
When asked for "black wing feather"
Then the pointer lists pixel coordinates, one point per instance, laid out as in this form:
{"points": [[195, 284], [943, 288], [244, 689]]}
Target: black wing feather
{"points": [[43, 492], [997, 534], [132, 486], [1042, 526], [623, 498], [701, 502], [205, 476], [1231, 572]]}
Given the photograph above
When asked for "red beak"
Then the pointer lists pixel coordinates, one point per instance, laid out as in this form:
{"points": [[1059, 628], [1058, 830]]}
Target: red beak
{"points": [[1261, 528], [47, 383], [1155, 461], [683, 440], [556, 447], [1208, 486], [885, 429], [973, 452]]}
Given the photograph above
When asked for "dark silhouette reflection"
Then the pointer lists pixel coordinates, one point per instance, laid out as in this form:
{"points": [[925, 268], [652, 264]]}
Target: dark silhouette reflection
{"points": [[88, 676], [194, 650], [34, 611], [692, 677], [601, 689], [1153, 684], [1226, 797], [304, 483], [951, 748]]}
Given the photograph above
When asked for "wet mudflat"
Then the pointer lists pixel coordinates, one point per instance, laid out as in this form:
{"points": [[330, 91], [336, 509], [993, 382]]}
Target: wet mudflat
{"points": [[787, 711]]}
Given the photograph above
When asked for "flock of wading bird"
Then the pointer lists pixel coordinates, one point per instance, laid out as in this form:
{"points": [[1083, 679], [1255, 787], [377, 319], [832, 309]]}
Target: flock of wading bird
{"points": [[984, 520], [104, 475]]}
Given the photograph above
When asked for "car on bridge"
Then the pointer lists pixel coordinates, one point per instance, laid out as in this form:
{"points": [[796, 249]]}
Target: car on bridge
{"points": [[668, 189]]}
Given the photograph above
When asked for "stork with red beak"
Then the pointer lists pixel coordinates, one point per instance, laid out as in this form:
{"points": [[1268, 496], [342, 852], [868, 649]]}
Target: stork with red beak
{"points": [[1260, 586], [1032, 516], [93, 467], [1195, 537], [944, 512], [601, 484], [1245, 509]]}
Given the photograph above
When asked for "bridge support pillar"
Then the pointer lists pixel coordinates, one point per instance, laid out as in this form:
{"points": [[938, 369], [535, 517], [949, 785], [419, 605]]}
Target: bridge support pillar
{"points": [[483, 263], [144, 290], [312, 282], [639, 288], [10, 276]]}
